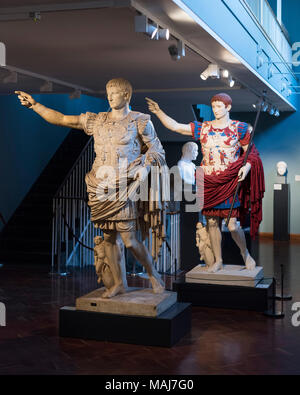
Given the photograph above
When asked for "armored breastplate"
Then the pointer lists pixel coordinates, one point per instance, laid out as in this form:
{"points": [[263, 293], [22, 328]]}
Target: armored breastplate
{"points": [[117, 143]]}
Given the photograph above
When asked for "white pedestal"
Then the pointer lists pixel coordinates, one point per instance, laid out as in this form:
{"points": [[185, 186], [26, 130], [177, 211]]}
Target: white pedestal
{"points": [[229, 275]]}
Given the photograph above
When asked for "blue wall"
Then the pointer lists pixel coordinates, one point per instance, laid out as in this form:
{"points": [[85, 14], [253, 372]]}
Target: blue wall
{"points": [[27, 142]]}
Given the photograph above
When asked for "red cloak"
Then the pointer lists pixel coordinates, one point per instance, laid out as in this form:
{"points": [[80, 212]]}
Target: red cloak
{"points": [[218, 188]]}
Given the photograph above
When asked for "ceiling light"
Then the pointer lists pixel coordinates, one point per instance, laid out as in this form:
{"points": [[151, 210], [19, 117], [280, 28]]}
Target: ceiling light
{"points": [[164, 34], [47, 86], [225, 73], [142, 25], [264, 107], [272, 110], [177, 51], [231, 82], [11, 78], [211, 71]]}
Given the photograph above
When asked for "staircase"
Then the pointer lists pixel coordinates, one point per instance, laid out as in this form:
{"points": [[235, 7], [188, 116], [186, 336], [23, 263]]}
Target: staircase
{"points": [[27, 235]]}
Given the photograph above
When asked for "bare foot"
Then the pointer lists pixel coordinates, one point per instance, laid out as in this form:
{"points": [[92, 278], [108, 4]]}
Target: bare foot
{"points": [[113, 291], [249, 261], [157, 285], [215, 267]]}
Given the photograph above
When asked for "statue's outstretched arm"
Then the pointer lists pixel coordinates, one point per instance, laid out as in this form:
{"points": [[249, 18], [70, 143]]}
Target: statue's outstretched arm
{"points": [[167, 121], [51, 116]]}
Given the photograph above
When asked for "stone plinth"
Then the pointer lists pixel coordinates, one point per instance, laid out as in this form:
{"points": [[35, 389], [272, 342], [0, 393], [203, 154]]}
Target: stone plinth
{"points": [[229, 275], [136, 301]]}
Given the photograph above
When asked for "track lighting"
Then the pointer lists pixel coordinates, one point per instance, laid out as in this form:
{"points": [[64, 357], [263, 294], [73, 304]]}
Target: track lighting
{"points": [[142, 25], [211, 71], [272, 110], [177, 51], [264, 107], [225, 73], [11, 78], [231, 82]]}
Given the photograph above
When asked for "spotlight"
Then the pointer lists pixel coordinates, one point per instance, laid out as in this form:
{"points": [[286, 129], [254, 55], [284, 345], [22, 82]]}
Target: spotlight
{"points": [[272, 110], [277, 113], [35, 16], [164, 34], [264, 107], [225, 73], [142, 25], [212, 71], [256, 104], [231, 82], [75, 94], [177, 51], [289, 92], [11, 78], [46, 87]]}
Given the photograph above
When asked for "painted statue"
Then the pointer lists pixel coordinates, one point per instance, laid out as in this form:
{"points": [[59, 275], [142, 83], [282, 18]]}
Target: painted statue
{"points": [[126, 146], [223, 144], [204, 245]]}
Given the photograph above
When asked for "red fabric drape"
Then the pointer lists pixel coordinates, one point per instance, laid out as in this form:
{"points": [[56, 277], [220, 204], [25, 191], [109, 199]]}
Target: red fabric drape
{"points": [[218, 188]]}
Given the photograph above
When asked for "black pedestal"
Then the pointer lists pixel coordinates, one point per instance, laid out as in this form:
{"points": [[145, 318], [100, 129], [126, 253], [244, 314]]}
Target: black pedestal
{"points": [[164, 331], [230, 251], [281, 214], [259, 298], [188, 250]]}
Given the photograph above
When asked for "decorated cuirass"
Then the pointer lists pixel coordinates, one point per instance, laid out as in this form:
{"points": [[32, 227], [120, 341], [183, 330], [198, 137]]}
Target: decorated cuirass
{"points": [[220, 147], [117, 143]]}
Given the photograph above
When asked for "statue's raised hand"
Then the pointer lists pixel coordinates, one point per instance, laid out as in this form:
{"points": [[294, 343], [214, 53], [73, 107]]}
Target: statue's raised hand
{"points": [[25, 99], [152, 105]]}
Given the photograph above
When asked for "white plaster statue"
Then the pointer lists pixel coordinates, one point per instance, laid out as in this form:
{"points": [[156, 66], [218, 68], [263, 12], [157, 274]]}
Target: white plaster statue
{"points": [[126, 146], [204, 245], [222, 141], [186, 167], [281, 168]]}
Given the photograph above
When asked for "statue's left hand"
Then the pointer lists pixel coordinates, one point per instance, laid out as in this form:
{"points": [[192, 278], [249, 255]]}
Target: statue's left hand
{"points": [[244, 171], [141, 174]]}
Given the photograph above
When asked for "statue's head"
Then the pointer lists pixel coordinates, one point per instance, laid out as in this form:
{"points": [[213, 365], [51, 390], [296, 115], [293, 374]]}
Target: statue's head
{"points": [[221, 105], [199, 225], [281, 168], [190, 151], [119, 92], [98, 240]]}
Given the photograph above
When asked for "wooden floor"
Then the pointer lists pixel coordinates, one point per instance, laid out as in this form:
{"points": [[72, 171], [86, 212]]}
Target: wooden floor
{"points": [[221, 341]]}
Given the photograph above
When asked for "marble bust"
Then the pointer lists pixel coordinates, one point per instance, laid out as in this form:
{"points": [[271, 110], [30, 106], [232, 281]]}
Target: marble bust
{"points": [[282, 171], [186, 167]]}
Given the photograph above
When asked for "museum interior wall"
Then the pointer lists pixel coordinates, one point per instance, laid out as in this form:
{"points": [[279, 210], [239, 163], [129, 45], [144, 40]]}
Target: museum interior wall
{"points": [[27, 143]]}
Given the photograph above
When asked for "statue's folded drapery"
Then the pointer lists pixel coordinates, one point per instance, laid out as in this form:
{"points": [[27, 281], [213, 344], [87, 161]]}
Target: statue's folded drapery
{"points": [[120, 189], [220, 187]]}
